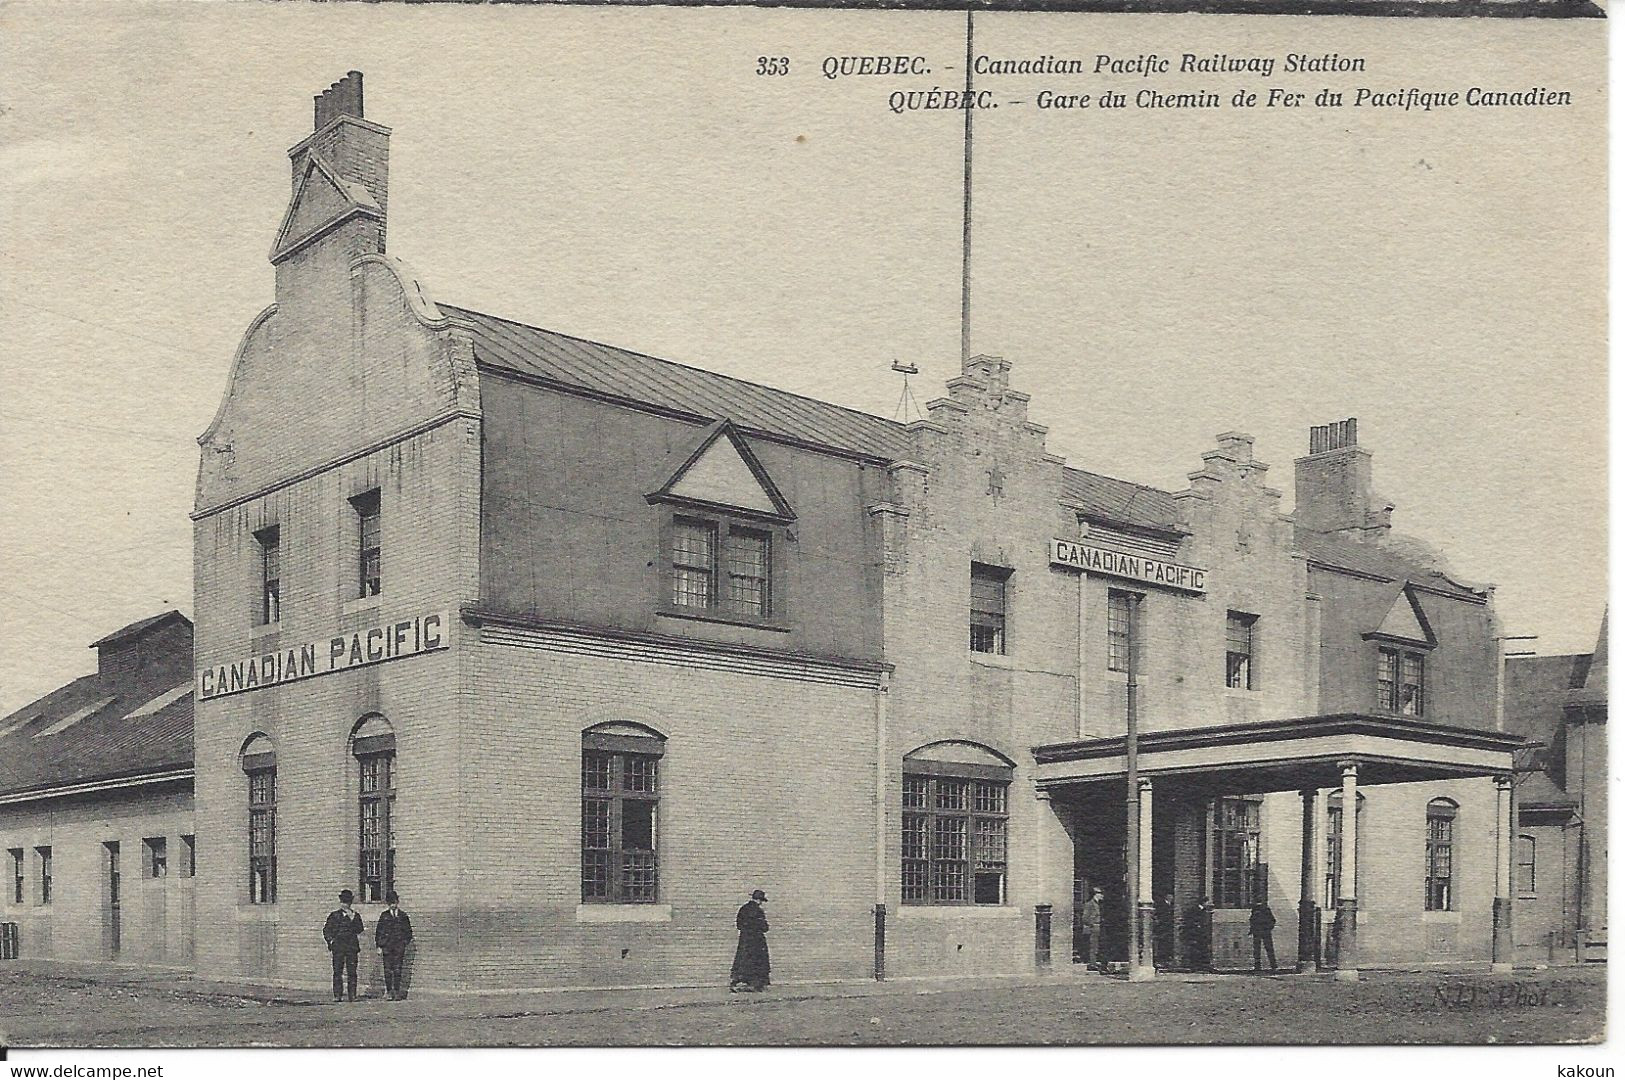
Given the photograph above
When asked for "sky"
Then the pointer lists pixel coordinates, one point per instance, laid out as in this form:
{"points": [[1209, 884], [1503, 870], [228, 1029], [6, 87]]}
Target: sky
{"points": [[1155, 277]]}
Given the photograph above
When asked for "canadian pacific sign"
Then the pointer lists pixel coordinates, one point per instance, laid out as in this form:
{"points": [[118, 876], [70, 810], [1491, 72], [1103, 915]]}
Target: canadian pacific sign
{"points": [[1094, 560], [342, 652]]}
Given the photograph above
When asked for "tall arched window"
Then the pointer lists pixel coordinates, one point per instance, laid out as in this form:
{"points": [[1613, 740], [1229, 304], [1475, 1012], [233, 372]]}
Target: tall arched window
{"points": [[1440, 893], [620, 803], [373, 744], [956, 823], [1526, 865], [259, 765], [1334, 844]]}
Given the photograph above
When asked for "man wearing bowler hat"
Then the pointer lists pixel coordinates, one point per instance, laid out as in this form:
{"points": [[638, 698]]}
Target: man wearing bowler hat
{"points": [[750, 970], [343, 933], [392, 933]]}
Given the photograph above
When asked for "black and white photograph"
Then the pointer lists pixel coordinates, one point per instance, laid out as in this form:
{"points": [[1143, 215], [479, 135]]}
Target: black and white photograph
{"points": [[616, 526]]}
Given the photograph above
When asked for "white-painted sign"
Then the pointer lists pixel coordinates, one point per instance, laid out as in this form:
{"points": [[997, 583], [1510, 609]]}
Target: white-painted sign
{"points": [[358, 648], [1143, 568]]}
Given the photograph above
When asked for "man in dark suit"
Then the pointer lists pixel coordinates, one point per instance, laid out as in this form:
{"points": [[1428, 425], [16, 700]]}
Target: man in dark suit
{"points": [[1262, 925], [392, 934], [751, 969], [343, 933]]}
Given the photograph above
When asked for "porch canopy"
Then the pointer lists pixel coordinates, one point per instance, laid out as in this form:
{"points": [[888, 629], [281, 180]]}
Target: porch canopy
{"points": [[1285, 755]]}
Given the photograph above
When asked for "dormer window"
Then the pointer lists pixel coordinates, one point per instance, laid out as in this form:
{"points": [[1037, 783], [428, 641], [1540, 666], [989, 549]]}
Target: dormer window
{"points": [[724, 541]]}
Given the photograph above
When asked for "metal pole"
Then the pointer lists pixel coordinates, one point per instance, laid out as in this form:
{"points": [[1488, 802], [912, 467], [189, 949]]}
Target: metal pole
{"points": [[1132, 795], [964, 279]]}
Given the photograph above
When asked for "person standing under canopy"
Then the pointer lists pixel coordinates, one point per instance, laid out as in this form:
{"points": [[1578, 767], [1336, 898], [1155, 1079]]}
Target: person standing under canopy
{"points": [[751, 969]]}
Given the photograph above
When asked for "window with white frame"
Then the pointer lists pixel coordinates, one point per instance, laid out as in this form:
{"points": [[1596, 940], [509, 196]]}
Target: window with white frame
{"points": [[259, 766], [270, 545], [1240, 632], [1400, 681], [373, 744], [1525, 866], [987, 607]]}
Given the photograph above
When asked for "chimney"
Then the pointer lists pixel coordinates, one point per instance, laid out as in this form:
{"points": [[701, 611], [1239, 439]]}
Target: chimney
{"points": [[340, 178], [1333, 483]]}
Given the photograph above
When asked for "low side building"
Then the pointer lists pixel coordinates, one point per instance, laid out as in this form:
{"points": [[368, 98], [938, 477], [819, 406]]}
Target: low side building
{"points": [[1560, 704], [96, 806]]}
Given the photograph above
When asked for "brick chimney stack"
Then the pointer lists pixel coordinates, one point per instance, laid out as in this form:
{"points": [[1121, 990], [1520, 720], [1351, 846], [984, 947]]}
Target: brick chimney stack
{"points": [[340, 180], [1333, 483]]}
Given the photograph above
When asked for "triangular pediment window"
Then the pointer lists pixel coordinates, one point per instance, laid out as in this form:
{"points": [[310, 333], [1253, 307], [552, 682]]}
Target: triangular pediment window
{"points": [[722, 472], [1405, 622], [321, 200]]}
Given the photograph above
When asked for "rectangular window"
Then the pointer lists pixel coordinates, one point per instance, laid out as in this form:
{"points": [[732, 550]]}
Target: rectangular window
{"points": [[955, 840], [1235, 852], [370, 561], [693, 563], [987, 595], [377, 825], [1122, 624], [154, 857], [747, 571], [42, 860], [270, 541], [262, 836], [14, 856], [1239, 630], [620, 796], [1440, 856], [1400, 681], [188, 856]]}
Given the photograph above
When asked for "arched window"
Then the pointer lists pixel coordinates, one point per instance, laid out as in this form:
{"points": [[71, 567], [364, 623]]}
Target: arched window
{"points": [[258, 759], [1440, 894], [1334, 844], [956, 823], [1526, 865], [373, 744], [620, 801]]}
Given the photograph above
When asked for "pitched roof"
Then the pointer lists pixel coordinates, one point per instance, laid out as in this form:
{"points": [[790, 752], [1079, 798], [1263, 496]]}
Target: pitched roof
{"points": [[626, 376], [1335, 551], [97, 728], [1536, 688], [140, 626], [622, 375]]}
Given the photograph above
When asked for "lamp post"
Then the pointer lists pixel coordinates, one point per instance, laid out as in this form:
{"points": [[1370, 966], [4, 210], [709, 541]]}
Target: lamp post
{"points": [[1138, 969]]}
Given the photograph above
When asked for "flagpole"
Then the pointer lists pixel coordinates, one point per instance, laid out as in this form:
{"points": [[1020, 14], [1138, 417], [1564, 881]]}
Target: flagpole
{"points": [[964, 279]]}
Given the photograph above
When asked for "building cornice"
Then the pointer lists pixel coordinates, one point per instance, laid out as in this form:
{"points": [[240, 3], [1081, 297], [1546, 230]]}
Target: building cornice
{"points": [[89, 787]]}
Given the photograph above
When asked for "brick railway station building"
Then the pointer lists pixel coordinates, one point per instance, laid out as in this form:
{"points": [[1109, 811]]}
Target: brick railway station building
{"points": [[574, 647]]}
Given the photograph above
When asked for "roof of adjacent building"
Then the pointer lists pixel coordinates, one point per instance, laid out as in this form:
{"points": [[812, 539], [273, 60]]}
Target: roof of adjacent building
{"points": [[1536, 689], [99, 729]]}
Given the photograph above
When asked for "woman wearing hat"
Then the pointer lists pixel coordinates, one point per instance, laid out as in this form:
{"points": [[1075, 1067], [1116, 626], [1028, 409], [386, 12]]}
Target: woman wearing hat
{"points": [[750, 970]]}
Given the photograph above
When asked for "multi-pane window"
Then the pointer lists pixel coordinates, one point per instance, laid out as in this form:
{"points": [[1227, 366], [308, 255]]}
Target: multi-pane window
{"points": [[1399, 681], [369, 546], [1122, 620], [1526, 866], [377, 816], [14, 858], [1334, 845], [955, 838], [188, 856], [620, 802], [747, 571], [1235, 852], [693, 562], [721, 568], [42, 857], [1440, 855], [259, 762], [154, 857], [270, 541], [1239, 631], [987, 592]]}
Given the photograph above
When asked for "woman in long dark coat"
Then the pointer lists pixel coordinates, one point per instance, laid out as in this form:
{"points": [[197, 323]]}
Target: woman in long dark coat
{"points": [[750, 970]]}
